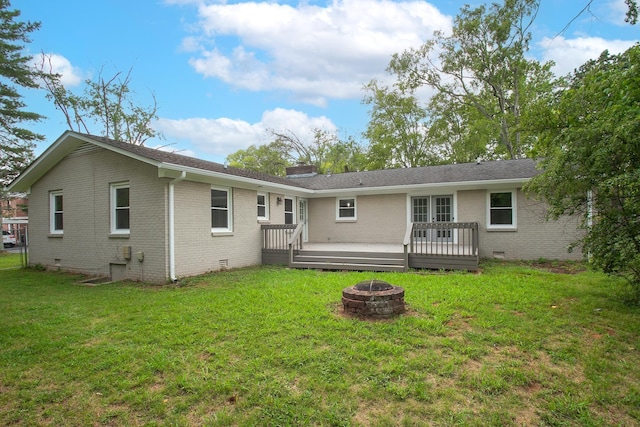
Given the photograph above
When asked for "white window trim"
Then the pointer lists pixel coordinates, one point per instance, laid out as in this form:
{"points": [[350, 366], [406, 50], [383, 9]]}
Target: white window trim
{"points": [[514, 211], [355, 209], [113, 188], [229, 228], [266, 206], [52, 212]]}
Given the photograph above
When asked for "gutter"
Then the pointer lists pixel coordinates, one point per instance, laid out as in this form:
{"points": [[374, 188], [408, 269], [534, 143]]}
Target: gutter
{"points": [[172, 227], [232, 180], [413, 188]]}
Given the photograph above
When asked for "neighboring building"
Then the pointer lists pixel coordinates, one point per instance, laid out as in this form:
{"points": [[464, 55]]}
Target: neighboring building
{"points": [[13, 214], [14, 206], [108, 208]]}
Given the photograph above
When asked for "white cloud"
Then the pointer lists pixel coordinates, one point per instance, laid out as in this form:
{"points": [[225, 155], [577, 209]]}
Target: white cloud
{"points": [[570, 54], [223, 136], [315, 52], [615, 12], [57, 64]]}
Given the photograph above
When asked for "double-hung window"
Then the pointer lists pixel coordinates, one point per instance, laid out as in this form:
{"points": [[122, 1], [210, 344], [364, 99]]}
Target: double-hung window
{"points": [[56, 209], [501, 210], [221, 210], [263, 206], [346, 209], [120, 208]]}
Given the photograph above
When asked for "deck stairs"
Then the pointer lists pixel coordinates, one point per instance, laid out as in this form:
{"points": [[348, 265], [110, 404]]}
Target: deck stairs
{"points": [[342, 260]]}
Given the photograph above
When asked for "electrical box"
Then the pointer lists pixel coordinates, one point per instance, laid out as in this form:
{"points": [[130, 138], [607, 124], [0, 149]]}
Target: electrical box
{"points": [[140, 256], [126, 252]]}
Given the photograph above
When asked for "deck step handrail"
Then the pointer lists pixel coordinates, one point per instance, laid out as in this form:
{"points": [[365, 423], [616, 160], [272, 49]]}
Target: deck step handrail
{"points": [[406, 244], [275, 237], [444, 238], [295, 241]]}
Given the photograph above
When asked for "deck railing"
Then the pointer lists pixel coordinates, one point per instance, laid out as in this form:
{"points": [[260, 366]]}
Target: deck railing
{"points": [[443, 238], [275, 237]]}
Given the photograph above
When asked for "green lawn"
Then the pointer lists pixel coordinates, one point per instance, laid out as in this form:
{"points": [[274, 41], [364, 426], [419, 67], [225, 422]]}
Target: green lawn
{"points": [[8, 260], [514, 345]]}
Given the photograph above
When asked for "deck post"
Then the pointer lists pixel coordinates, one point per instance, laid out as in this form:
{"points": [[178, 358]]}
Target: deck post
{"points": [[406, 258]]}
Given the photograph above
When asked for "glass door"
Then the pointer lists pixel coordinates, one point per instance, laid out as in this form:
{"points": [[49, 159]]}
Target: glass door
{"points": [[432, 209], [420, 213], [442, 206], [303, 219]]}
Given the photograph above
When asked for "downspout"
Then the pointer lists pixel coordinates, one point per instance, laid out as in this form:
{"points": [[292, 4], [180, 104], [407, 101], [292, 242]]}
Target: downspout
{"points": [[172, 227]]}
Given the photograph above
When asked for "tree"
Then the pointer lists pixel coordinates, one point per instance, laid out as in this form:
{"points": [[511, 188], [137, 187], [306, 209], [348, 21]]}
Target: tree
{"points": [[16, 142], [482, 66], [590, 143], [398, 131], [631, 15], [105, 103], [271, 158], [460, 129], [632, 12], [325, 150]]}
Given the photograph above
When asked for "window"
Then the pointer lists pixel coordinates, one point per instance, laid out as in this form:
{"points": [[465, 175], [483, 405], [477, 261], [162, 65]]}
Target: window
{"points": [[502, 210], [221, 210], [56, 210], [288, 211], [120, 208], [263, 206], [346, 209]]}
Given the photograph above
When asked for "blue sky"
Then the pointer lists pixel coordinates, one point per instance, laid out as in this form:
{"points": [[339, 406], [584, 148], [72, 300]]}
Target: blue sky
{"points": [[225, 72]]}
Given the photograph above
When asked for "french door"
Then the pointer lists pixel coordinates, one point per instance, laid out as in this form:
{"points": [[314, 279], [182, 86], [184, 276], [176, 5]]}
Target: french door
{"points": [[433, 209]]}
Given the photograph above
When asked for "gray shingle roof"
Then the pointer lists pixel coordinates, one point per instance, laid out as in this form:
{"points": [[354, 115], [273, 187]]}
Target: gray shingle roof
{"points": [[192, 162], [457, 173]]}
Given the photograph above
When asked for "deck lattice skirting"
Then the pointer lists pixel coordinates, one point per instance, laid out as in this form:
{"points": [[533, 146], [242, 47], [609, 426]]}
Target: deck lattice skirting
{"points": [[448, 246]]}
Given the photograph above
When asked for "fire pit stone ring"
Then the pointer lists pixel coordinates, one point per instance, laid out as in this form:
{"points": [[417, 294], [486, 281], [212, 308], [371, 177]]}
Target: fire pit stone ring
{"points": [[373, 299]]}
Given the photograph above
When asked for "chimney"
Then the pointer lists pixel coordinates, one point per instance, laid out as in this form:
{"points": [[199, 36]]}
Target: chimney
{"points": [[302, 171]]}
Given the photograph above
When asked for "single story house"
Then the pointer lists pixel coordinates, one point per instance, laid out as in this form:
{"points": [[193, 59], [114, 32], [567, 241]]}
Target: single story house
{"points": [[108, 208]]}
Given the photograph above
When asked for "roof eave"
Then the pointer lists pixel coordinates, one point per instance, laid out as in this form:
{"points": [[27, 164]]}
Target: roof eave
{"points": [[170, 170], [65, 144], [413, 188]]}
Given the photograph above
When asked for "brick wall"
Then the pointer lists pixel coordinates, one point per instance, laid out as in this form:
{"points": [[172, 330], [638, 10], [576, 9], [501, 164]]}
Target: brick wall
{"points": [[534, 237], [198, 250], [379, 219], [86, 244]]}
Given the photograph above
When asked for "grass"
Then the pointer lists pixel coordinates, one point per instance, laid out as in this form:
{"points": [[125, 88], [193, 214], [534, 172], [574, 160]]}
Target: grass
{"points": [[8, 260], [515, 345]]}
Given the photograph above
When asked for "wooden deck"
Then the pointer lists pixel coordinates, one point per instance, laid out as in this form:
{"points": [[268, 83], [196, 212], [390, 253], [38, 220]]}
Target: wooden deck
{"points": [[282, 245]]}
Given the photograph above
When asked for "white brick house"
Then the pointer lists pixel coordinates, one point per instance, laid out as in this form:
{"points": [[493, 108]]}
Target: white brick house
{"points": [[107, 208]]}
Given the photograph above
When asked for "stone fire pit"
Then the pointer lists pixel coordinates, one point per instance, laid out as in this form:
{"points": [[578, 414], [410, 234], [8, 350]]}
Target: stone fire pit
{"points": [[373, 299]]}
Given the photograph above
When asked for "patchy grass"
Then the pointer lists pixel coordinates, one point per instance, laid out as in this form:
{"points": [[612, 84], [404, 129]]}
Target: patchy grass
{"points": [[515, 345]]}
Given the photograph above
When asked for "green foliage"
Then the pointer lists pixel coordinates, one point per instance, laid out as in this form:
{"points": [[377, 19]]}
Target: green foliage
{"points": [[398, 131], [484, 82], [325, 150], [105, 108], [16, 142], [632, 12], [271, 158], [591, 148]]}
